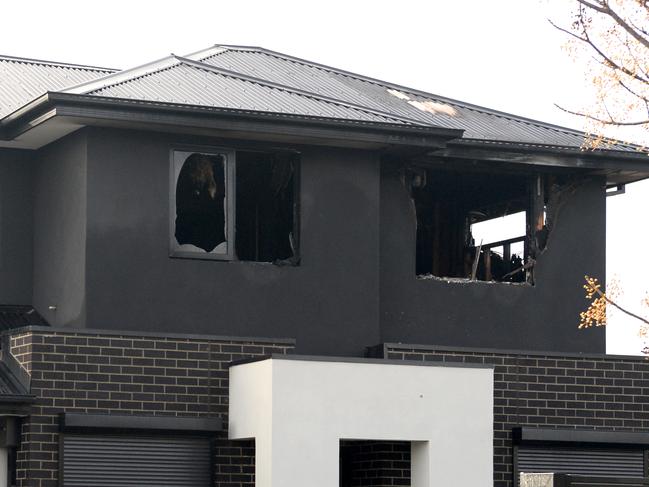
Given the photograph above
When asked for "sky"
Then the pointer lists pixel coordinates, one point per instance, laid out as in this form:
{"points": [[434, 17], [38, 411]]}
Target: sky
{"points": [[502, 54]]}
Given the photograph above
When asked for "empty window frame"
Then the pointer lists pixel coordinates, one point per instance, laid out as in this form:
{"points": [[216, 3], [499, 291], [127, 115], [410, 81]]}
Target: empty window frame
{"points": [[234, 205], [476, 225]]}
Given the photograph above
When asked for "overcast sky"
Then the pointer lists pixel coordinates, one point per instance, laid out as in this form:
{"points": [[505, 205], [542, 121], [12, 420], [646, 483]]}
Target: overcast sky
{"points": [[502, 54]]}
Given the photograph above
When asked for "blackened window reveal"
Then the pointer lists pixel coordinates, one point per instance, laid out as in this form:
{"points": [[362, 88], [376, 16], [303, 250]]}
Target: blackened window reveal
{"points": [[477, 226], [234, 206], [265, 206], [200, 193]]}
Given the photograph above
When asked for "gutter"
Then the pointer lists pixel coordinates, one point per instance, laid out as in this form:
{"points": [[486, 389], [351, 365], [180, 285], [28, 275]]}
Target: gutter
{"points": [[89, 107], [626, 150]]}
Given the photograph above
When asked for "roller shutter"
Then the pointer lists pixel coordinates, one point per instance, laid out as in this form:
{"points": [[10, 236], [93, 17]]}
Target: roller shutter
{"points": [[133, 461], [586, 461]]}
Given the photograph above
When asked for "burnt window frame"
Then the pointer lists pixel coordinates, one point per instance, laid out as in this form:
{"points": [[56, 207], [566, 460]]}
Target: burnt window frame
{"points": [[230, 153], [229, 207], [534, 207]]}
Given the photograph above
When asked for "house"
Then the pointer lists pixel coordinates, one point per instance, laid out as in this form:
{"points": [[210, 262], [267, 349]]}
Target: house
{"points": [[234, 267]]}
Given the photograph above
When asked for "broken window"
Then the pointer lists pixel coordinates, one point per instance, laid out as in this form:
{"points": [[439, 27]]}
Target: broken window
{"points": [[229, 205], [475, 225], [265, 206]]}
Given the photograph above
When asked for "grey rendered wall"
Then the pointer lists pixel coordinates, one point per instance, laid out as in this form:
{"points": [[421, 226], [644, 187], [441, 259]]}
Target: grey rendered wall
{"points": [[329, 303], [16, 226], [497, 315], [60, 231]]}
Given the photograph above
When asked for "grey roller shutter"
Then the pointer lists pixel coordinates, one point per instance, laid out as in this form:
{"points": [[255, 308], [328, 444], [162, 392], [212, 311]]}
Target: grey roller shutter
{"points": [[132, 461], [585, 461]]}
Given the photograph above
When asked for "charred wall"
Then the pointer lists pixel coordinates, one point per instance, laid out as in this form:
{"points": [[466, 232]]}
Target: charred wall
{"points": [[102, 257], [329, 302], [542, 316], [16, 234]]}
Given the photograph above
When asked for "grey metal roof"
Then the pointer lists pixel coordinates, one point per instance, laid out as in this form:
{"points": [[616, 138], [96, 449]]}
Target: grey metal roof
{"points": [[184, 81], [478, 122], [22, 80], [19, 316], [8, 385], [259, 80]]}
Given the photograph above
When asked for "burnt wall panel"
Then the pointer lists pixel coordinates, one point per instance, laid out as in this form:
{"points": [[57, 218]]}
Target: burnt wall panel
{"points": [[542, 316], [60, 231], [16, 226], [329, 302]]}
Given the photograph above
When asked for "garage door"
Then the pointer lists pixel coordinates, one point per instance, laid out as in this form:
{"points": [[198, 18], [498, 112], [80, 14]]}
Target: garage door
{"points": [[131, 461], [583, 461]]}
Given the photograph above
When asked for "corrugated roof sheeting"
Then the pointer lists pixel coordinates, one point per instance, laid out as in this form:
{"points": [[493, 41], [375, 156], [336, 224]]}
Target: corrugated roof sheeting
{"points": [[190, 85], [18, 316], [22, 80], [307, 89], [6, 388], [478, 123]]}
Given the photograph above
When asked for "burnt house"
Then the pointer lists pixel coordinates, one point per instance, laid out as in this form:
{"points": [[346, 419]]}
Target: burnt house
{"points": [[237, 267]]}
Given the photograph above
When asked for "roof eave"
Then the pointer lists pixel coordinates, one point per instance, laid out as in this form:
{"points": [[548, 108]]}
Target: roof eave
{"points": [[619, 167], [93, 110]]}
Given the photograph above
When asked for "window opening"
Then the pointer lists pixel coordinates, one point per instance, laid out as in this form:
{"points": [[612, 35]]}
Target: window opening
{"points": [[265, 206], [475, 225], [234, 206]]}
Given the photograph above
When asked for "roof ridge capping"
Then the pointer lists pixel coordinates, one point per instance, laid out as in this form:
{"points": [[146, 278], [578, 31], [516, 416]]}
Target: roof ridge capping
{"points": [[298, 91], [122, 76], [205, 53], [17, 59], [424, 94]]}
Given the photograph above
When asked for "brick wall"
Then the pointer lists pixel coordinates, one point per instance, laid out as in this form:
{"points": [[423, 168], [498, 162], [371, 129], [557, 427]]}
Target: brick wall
{"points": [[87, 372], [553, 391], [374, 463]]}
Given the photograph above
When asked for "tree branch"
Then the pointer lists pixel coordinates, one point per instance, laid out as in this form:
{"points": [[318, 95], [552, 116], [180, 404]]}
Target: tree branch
{"points": [[640, 29], [610, 301], [601, 120], [632, 92], [608, 61], [600, 7], [638, 63], [605, 9]]}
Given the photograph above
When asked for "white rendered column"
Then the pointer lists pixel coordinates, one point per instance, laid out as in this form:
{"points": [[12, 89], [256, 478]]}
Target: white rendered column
{"points": [[420, 464], [4, 467]]}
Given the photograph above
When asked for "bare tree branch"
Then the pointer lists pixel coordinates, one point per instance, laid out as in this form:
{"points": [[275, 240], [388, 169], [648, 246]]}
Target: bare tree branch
{"points": [[607, 10], [609, 62], [613, 303], [637, 61], [640, 29], [632, 92], [616, 33], [603, 121]]}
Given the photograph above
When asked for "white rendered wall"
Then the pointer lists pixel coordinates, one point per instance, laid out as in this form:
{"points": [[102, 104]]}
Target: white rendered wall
{"points": [[299, 410], [4, 467]]}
